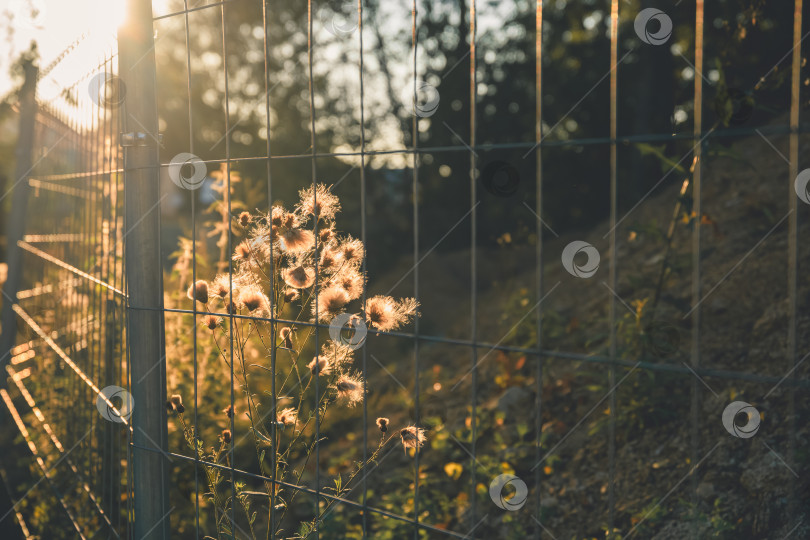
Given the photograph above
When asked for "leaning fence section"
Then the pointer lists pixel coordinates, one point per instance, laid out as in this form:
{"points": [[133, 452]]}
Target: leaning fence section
{"points": [[67, 473]]}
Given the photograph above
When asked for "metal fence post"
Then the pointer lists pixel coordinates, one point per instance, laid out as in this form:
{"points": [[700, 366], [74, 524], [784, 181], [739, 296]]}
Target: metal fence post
{"points": [[19, 203], [145, 337], [110, 470]]}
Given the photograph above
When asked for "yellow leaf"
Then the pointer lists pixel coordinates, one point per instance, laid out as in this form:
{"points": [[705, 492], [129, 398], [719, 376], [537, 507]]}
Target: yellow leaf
{"points": [[507, 468], [453, 470]]}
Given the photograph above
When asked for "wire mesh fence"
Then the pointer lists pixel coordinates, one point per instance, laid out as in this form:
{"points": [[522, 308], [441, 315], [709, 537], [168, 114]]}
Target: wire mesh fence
{"points": [[66, 465], [368, 296]]}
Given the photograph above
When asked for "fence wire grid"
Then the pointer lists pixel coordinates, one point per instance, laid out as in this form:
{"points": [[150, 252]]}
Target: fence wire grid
{"points": [[157, 355]]}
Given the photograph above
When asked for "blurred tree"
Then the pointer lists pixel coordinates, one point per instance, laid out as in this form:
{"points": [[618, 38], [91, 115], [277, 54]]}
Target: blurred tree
{"points": [[744, 38]]}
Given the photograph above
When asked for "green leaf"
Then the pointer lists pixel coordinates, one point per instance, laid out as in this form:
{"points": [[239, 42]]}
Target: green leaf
{"points": [[262, 437], [304, 530], [338, 483]]}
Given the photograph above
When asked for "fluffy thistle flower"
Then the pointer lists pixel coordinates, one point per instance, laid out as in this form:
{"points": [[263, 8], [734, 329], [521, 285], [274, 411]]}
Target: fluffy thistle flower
{"points": [[228, 411], [291, 295], [245, 219], [382, 423], [211, 321], [299, 277], [318, 201], [243, 252], [226, 436], [330, 260], [353, 251], [320, 366], [286, 336], [385, 314], [350, 388], [297, 240], [287, 416], [350, 280], [254, 299], [198, 291], [278, 216], [177, 402], [337, 354], [221, 286], [326, 234], [330, 303], [412, 437]]}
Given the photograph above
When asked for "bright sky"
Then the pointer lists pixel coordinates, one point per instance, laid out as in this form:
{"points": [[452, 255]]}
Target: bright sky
{"points": [[89, 27], [58, 24]]}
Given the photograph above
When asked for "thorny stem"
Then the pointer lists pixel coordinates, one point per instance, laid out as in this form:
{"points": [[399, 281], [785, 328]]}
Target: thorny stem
{"points": [[345, 487], [270, 276], [211, 473]]}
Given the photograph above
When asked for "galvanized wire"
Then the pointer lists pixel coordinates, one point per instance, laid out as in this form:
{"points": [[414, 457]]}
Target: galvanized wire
{"points": [[96, 223], [70, 311]]}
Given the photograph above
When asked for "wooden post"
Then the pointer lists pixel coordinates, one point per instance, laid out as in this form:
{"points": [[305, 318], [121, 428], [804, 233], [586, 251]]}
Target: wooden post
{"points": [[15, 227], [145, 337]]}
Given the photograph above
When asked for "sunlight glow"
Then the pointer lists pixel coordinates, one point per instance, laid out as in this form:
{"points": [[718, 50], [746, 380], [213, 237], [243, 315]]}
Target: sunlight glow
{"points": [[54, 25]]}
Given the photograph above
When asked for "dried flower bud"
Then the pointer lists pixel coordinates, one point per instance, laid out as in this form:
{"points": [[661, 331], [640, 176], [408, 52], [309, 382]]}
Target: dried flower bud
{"points": [[242, 252], [291, 295], [412, 437], [211, 321], [286, 335], [199, 292], [382, 423], [221, 286], [228, 411], [287, 416], [226, 436], [253, 299], [320, 366], [245, 219], [176, 399], [180, 408], [276, 216]]}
